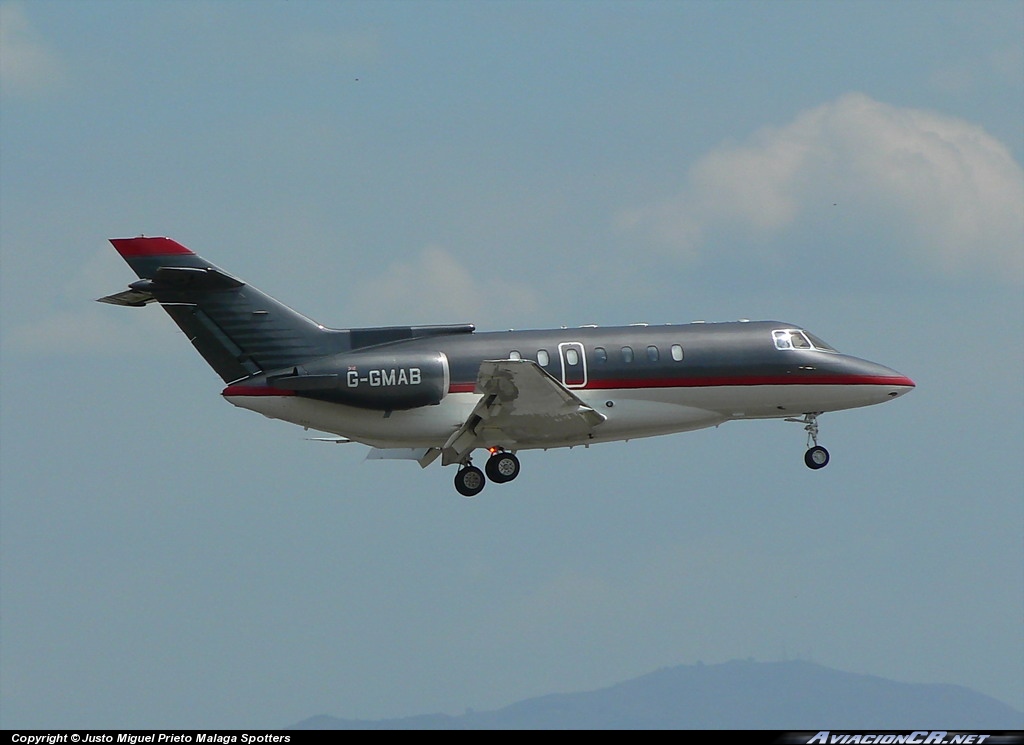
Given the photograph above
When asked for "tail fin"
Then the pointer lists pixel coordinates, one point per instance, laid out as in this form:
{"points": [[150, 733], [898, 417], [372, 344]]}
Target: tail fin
{"points": [[238, 330]]}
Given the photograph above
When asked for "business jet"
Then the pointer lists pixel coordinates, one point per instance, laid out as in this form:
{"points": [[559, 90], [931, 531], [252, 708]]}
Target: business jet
{"points": [[447, 391]]}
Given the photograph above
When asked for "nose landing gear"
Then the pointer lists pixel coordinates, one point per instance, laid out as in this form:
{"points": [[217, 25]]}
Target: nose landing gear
{"points": [[816, 456]]}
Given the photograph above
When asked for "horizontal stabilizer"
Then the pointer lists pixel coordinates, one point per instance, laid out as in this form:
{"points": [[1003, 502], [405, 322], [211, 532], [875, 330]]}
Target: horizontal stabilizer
{"points": [[130, 298]]}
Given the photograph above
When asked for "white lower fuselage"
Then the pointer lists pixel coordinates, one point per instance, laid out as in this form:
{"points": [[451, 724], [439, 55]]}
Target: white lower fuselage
{"points": [[630, 413]]}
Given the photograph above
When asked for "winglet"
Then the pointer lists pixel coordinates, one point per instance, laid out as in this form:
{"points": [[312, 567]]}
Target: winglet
{"points": [[145, 246]]}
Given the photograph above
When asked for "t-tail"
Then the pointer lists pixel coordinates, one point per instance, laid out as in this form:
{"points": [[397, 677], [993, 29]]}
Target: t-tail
{"points": [[238, 330]]}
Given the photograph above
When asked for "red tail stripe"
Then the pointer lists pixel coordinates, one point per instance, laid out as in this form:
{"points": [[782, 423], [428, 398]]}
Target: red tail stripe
{"points": [[143, 246]]}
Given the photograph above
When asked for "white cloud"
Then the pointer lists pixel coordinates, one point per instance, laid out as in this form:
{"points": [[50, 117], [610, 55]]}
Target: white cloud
{"points": [[434, 288], [93, 330], [27, 65], [938, 187], [439, 288], [74, 324]]}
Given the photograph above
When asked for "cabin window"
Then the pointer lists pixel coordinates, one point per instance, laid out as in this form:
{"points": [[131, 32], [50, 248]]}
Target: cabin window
{"points": [[514, 355], [572, 357], [677, 353], [652, 353], [542, 357], [600, 354], [627, 354]]}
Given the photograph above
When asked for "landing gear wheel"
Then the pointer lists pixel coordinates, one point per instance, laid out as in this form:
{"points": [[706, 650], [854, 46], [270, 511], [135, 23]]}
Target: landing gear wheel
{"points": [[469, 481], [502, 467], [816, 457]]}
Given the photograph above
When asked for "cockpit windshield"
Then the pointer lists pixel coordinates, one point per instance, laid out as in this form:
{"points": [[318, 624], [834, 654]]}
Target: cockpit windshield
{"points": [[799, 339], [820, 343]]}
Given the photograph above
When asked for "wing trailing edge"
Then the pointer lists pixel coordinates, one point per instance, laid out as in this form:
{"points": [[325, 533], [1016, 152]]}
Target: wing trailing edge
{"points": [[521, 405]]}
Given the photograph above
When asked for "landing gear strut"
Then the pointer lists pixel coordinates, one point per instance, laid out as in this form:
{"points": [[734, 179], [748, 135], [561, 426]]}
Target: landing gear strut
{"points": [[816, 456]]}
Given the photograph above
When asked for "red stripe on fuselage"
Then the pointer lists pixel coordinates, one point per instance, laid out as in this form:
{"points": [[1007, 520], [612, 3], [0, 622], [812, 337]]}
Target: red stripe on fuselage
{"points": [[639, 383], [722, 381], [253, 390], [143, 246]]}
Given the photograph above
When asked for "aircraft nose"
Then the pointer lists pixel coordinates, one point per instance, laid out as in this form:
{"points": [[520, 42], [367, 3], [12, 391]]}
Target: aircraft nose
{"points": [[897, 378], [899, 384], [890, 383]]}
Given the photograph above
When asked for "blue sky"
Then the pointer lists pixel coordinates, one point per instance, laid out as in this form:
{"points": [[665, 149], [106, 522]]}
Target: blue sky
{"points": [[854, 167]]}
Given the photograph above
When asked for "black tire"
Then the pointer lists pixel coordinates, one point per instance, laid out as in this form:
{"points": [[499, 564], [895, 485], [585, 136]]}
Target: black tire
{"points": [[816, 457], [469, 481], [502, 467]]}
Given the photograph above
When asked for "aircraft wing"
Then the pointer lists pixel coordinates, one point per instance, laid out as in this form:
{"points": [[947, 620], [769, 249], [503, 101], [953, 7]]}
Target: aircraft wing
{"points": [[521, 404]]}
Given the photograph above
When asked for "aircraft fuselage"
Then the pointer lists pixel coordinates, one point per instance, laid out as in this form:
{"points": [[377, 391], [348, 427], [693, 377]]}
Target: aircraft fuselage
{"points": [[645, 380]]}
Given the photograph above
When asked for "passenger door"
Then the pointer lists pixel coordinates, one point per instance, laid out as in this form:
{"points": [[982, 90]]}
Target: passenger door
{"points": [[574, 364]]}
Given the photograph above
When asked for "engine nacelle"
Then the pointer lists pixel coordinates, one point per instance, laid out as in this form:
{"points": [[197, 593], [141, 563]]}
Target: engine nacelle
{"points": [[374, 379]]}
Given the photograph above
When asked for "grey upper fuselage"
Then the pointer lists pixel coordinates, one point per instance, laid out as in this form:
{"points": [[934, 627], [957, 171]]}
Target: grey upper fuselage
{"points": [[621, 357]]}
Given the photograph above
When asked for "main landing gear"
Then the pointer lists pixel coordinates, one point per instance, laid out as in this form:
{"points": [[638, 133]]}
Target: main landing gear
{"points": [[501, 467], [816, 456], [469, 481]]}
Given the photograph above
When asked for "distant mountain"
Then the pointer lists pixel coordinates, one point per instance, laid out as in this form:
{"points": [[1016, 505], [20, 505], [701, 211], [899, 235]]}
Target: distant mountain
{"points": [[795, 696]]}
